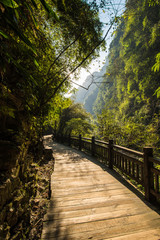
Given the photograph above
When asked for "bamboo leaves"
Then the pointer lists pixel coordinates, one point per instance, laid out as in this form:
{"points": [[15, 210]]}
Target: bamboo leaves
{"points": [[38, 54], [49, 10], [5, 35], [9, 3]]}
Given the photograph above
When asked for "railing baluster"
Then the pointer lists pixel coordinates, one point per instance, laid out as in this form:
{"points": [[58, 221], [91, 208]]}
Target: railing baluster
{"points": [[137, 171], [111, 154], [129, 166], [156, 183], [93, 146], [133, 169], [80, 142]]}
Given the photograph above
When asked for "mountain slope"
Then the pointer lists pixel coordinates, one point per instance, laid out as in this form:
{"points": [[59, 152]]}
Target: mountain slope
{"points": [[92, 83]]}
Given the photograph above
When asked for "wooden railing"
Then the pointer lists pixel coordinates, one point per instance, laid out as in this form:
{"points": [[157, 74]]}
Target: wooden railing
{"points": [[142, 167]]}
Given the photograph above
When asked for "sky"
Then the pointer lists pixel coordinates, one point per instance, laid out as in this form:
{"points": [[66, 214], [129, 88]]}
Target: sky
{"points": [[114, 8]]}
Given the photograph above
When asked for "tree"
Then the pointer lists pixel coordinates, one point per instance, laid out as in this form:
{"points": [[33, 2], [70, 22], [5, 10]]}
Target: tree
{"points": [[42, 43], [74, 119], [77, 126], [130, 97]]}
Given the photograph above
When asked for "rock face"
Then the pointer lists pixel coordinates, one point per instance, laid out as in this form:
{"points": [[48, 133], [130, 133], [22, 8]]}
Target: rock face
{"points": [[24, 190]]}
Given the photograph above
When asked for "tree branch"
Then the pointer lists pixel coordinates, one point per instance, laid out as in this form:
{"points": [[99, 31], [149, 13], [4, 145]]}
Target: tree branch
{"points": [[98, 44], [63, 52]]}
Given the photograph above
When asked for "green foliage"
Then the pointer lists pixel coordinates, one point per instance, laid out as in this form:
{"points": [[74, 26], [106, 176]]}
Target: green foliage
{"points": [[41, 43], [153, 2], [129, 132], [128, 107], [74, 120], [55, 110], [156, 66], [78, 126], [9, 3]]}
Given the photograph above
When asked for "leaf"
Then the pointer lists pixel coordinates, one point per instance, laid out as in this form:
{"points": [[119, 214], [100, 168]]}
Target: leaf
{"points": [[36, 63], [157, 92], [54, 1], [5, 35], [9, 3], [22, 36], [17, 14], [49, 10], [21, 69], [54, 15], [34, 4], [156, 66], [31, 14], [64, 4]]}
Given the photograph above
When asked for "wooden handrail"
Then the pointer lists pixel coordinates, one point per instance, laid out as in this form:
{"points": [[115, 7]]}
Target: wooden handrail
{"points": [[84, 138], [101, 142], [139, 154]]}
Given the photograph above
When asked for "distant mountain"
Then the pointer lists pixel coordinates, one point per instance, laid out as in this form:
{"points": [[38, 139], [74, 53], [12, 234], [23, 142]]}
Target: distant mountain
{"points": [[93, 82]]}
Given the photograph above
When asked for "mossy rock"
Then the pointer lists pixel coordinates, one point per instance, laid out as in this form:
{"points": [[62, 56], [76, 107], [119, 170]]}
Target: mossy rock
{"points": [[5, 231], [5, 192], [18, 235]]}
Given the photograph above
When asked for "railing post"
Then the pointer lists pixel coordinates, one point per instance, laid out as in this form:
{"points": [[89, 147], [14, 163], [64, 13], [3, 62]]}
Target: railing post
{"points": [[80, 142], [148, 177], [93, 146], [110, 154]]}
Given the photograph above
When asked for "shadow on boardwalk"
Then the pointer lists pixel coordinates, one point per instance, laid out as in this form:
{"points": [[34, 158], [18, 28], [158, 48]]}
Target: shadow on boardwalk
{"points": [[89, 203], [54, 232], [65, 149]]}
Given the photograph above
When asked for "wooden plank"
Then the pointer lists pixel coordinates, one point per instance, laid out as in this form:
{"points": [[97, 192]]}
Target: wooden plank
{"points": [[111, 217], [93, 198], [80, 183], [88, 209], [91, 194], [92, 188], [72, 174], [104, 228], [112, 194], [89, 203], [95, 214], [88, 188], [142, 235], [54, 208]]}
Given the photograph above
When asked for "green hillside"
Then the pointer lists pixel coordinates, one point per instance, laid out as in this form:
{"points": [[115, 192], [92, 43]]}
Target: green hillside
{"points": [[92, 83], [128, 108]]}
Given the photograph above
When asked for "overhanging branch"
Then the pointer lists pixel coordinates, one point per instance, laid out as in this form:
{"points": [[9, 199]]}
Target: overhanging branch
{"points": [[97, 45], [63, 52]]}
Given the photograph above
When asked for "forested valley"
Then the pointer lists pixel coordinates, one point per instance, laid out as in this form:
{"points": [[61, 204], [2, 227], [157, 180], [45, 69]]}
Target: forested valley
{"points": [[128, 107], [38, 45], [43, 46]]}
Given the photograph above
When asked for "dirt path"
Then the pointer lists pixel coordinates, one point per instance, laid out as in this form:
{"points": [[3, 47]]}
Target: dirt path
{"points": [[90, 202]]}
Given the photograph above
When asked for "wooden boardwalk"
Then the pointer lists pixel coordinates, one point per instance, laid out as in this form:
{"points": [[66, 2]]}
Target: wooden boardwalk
{"points": [[91, 202]]}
